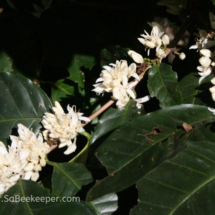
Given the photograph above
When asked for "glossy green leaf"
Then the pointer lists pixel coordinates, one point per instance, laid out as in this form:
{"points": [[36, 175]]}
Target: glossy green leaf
{"points": [[113, 53], [5, 62], [204, 133], [22, 101], [162, 84], [107, 204], [132, 149], [36, 200], [68, 178], [78, 66], [61, 89], [114, 118], [182, 185], [194, 93]]}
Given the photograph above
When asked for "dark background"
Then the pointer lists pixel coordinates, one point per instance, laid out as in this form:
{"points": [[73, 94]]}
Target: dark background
{"points": [[42, 44]]}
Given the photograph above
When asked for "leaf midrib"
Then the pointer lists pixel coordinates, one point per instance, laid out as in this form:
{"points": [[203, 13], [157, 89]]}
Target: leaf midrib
{"points": [[192, 193], [19, 119], [145, 149], [165, 85], [26, 202], [61, 170]]}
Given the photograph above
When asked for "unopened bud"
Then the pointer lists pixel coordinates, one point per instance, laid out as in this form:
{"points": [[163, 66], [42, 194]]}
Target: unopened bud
{"points": [[182, 56], [212, 89], [213, 81], [205, 61], [206, 52], [213, 64], [135, 56], [165, 39], [160, 53]]}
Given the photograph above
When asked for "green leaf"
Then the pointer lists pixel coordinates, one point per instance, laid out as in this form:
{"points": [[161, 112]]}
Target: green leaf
{"points": [[107, 204], [78, 66], [5, 62], [40, 202], [61, 89], [113, 53], [132, 149], [162, 83], [204, 133], [182, 185], [194, 93], [213, 1], [114, 118], [68, 178], [22, 101]]}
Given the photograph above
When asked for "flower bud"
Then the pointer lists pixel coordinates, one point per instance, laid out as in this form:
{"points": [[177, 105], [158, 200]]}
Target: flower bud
{"points": [[135, 56], [165, 39], [205, 61], [212, 90], [213, 64], [182, 56], [213, 81], [160, 53], [206, 52]]}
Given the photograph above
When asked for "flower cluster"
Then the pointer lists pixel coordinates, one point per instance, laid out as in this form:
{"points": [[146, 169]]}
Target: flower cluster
{"points": [[63, 127], [157, 40], [206, 63], [204, 42], [23, 159], [114, 78]]}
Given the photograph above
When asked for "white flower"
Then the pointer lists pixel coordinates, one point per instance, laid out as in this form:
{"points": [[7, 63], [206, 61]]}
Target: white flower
{"points": [[213, 81], [212, 20], [203, 42], [212, 90], [182, 56], [204, 72], [206, 53], [165, 39], [31, 149], [205, 61], [141, 100], [160, 53], [11, 168], [112, 77], [135, 56], [63, 127], [153, 40], [123, 93], [120, 94]]}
